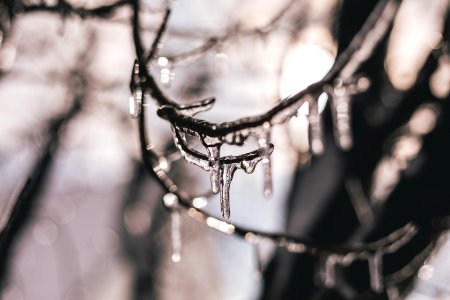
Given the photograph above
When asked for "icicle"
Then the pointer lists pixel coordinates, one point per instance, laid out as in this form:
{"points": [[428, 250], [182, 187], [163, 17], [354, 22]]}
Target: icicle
{"points": [[341, 117], [171, 201], [135, 99], [175, 235], [329, 279], [326, 270], [214, 165], [258, 260], [263, 142], [227, 175], [376, 271], [315, 128], [135, 103], [220, 64]]}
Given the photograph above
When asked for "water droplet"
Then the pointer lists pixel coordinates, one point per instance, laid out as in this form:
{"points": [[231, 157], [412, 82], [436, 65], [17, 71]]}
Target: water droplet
{"points": [[163, 61], [199, 202], [220, 225], [170, 200], [164, 164], [363, 84], [426, 272]]}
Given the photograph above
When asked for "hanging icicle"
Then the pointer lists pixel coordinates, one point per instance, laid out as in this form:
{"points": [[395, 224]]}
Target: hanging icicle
{"points": [[214, 168], [376, 271], [315, 127], [263, 141], [171, 202], [227, 172], [326, 270], [135, 99], [341, 114], [329, 279]]}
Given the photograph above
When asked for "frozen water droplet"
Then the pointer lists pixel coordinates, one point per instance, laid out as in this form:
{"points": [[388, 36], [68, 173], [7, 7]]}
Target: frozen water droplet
{"points": [[163, 61], [135, 103], [170, 200], [315, 128], [164, 164], [214, 165], [199, 202], [175, 235], [376, 271], [227, 176]]}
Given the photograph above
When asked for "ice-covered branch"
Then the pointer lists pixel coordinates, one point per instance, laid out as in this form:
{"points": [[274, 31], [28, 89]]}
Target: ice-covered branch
{"points": [[339, 83]]}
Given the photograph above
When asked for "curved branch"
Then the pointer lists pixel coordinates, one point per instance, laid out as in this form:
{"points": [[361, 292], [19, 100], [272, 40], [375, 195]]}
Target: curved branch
{"points": [[344, 69]]}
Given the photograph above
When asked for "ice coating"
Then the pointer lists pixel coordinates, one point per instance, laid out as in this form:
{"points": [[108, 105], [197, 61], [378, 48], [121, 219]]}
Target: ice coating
{"points": [[195, 108]]}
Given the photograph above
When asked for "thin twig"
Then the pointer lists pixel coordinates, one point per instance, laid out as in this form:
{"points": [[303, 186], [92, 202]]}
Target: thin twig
{"points": [[215, 42], [157, 40]]}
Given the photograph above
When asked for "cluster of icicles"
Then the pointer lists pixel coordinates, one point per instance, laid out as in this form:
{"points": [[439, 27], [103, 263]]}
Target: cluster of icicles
{"points": [[222, 169], [339, 85], [213, 136]]}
